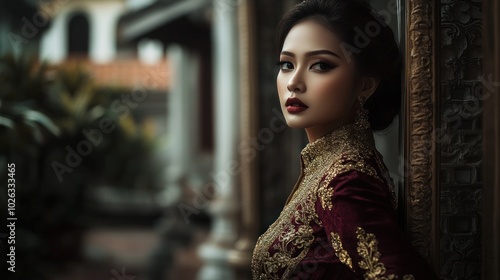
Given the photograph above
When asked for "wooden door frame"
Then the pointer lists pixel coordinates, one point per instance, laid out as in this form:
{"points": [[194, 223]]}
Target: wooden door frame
{"points": [[420, 111], [421, 132], [491, 140]]}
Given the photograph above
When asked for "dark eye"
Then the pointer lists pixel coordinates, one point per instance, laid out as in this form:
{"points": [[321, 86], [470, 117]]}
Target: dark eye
{"points": [[322, 66], [285, 65]]}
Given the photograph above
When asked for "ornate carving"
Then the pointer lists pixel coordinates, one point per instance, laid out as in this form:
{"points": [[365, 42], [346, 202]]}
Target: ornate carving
{"points": [[420, 185], [461, 138], [456, 140]]}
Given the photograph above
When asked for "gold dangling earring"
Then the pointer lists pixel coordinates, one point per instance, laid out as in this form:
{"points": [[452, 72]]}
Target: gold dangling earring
{"points": [[361, 119]]}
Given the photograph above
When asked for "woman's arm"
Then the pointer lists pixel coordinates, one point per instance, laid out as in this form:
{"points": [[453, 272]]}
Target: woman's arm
{"points": [[356, 212]]}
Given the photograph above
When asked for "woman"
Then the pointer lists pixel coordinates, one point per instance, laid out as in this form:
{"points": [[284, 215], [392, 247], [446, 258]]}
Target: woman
{"points": [[339, 79]]}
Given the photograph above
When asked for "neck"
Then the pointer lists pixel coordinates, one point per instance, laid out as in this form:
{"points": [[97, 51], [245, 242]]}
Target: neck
{"points": [[318, 131]]}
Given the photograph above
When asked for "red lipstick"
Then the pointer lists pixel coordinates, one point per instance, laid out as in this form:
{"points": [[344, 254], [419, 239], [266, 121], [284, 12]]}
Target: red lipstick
{"points": [[294, 105]]}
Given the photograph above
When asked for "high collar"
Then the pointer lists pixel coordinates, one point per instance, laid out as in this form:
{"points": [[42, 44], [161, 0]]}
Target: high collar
{"points": [[335, 141]]}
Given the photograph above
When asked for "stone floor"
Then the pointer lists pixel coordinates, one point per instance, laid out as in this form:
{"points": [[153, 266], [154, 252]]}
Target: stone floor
{"points": [[125, 254]]}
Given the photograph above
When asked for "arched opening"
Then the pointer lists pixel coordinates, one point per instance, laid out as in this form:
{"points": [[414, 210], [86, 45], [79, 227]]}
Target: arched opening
{"points": [[78, 36]]}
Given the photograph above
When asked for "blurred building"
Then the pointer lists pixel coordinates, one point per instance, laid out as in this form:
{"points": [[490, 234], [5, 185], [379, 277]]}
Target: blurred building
{"points": [[85, 29]]}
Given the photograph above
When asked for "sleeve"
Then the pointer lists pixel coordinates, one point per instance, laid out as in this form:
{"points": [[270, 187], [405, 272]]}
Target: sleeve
{"points": [[356, 212]]}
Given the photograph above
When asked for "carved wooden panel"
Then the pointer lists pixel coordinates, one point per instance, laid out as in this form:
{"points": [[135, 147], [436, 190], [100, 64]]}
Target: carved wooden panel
{"points": [[443, 147], [460, 139]]}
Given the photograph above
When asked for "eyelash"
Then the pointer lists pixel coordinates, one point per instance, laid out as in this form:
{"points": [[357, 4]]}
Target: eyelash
{"points": [[328, 65]]}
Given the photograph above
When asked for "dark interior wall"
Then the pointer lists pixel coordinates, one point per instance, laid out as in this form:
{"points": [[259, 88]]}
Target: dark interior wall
{"points": [[460, 138], [279, 149]]}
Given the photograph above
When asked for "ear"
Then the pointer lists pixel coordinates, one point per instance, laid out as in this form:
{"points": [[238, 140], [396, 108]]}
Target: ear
{"points": [[369, 85]]}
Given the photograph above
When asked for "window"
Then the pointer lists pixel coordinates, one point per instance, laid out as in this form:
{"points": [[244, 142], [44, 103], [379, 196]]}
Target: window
{"points": [[78, 35]]}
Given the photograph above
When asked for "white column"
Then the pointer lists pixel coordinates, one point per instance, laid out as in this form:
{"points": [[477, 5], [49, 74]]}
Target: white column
{"points": [[53, 44], [182, 121], [224, 209], [103, 25]]}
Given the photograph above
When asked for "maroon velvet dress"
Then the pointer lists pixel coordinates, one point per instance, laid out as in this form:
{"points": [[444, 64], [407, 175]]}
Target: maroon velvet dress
{"points": [[339, 221]]}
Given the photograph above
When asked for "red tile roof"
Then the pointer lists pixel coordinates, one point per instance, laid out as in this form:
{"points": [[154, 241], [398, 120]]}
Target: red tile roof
{"points": [[128, 73]]}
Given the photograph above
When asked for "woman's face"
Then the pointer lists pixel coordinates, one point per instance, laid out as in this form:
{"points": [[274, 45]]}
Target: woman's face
{"points": [[317, 86]]}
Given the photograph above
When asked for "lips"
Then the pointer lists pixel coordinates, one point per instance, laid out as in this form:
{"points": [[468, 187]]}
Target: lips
{"points": [[294, 105]]}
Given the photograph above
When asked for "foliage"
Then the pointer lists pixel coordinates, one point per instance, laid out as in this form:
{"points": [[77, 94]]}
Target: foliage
{"points": [[44, 109], [22, 94], [44, 113]]}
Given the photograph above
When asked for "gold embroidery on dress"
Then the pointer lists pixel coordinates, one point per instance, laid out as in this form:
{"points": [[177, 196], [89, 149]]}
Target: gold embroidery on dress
{"points": [[368, 251], [325, 194], [388, 179], [291, 235], [346, 163], [340, 252]]}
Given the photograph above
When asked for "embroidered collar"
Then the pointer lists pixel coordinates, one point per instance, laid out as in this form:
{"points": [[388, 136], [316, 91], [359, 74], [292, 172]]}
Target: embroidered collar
{"points": [[335, 141]]}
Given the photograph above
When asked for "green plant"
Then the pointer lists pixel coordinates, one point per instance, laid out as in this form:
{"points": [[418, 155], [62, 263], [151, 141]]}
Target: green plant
{"points": [[44, 111]]}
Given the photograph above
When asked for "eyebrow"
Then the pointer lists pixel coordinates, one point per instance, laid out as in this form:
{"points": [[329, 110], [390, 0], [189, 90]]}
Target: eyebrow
{"points": [[311, 53]]}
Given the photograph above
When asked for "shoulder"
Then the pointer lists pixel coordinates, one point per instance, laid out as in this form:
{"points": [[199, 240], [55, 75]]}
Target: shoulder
{"points": [[356, 175], [360, 163]]}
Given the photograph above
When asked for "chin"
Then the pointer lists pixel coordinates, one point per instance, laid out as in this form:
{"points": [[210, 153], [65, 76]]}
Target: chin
{"points": [[294, 123], [296, 126]]}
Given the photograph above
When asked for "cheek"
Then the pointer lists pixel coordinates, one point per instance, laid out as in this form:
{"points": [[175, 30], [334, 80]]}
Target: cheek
{"points": [[335, 92], [281, 85]]}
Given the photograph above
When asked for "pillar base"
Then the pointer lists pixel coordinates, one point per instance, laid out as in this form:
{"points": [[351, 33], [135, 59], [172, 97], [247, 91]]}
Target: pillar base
{"points": [[216, 263]]}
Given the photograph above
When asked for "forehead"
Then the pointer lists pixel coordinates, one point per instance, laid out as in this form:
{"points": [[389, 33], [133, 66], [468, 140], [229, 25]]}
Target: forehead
{"points": [[309, 35]]}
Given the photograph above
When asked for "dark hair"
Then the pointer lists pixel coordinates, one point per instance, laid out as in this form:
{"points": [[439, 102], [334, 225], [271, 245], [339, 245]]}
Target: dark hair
{"points": [[375, 56]]}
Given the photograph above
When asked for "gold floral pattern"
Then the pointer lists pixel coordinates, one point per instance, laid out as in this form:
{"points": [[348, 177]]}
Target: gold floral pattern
{"points": [[325, 194], [340, 252], [287, 241], [370, 258]]}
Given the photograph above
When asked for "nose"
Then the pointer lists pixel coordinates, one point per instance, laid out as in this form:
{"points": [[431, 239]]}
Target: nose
{"points": [[296, 83]]}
